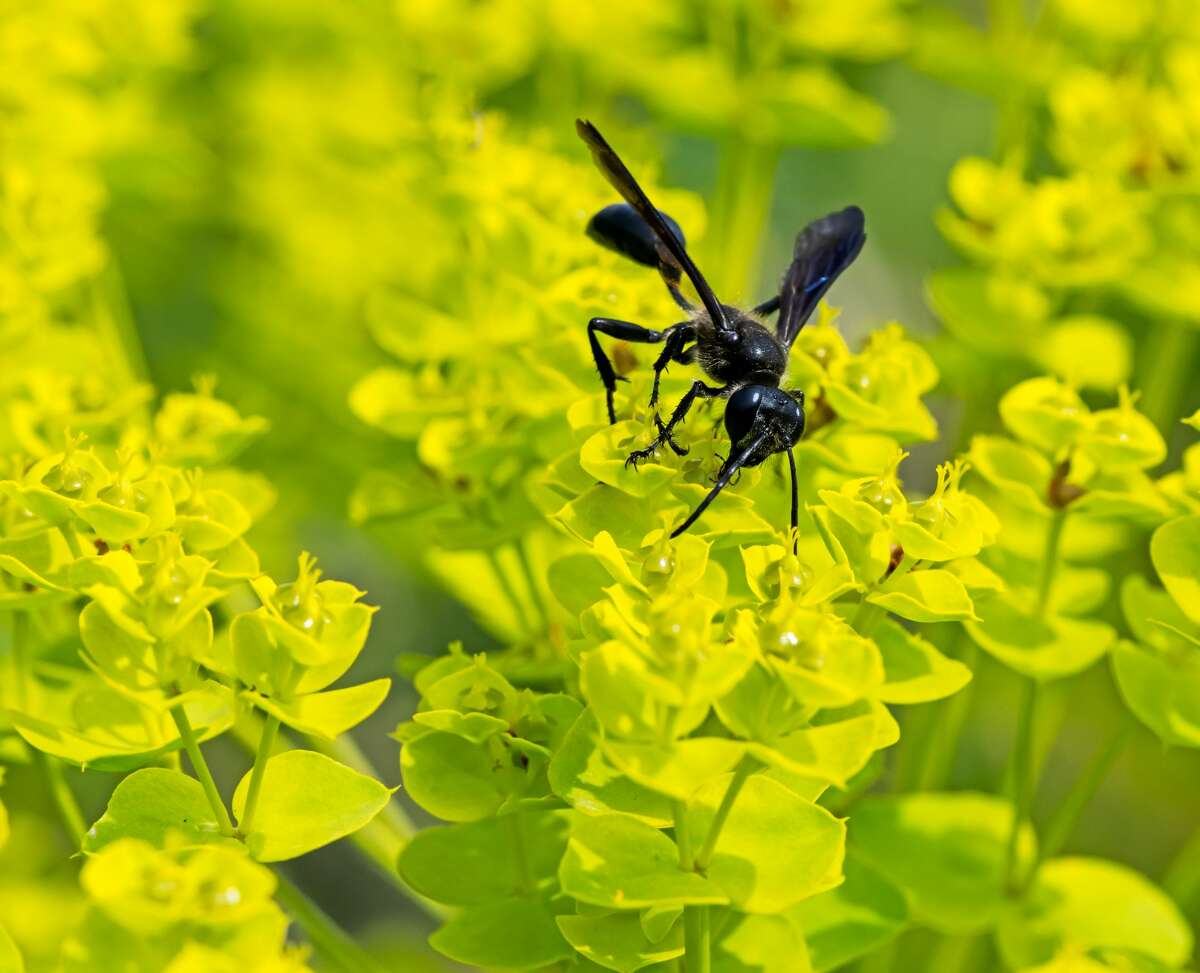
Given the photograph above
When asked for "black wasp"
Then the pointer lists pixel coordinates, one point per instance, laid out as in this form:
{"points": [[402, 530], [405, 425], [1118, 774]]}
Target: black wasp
{"points": [[736, 348]]}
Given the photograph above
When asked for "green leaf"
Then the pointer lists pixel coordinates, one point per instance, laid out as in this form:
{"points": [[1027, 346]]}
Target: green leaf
{"points": [[1108, 362], [1162, 689], [620, 863], [679, 768], [1175, 551], [1019, 471], [916, 672], [852, 920], [760, 944], [837, 671], [88, 723], [947, 851], [830, 752], [507, 933], [471, 864], [604, 454], [775, 848], [10, 956], [617, 942], [1041, 648], [1045, 413], [453, 778], [476, 727], [585, 778], [929, 595], [152, 803], [1084, 903], [328, 714], [307, 801], [1193, 420]]}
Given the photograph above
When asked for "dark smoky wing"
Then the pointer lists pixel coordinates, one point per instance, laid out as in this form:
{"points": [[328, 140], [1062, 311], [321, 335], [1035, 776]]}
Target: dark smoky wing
{"points": [[824, 249], [671, 251], [619, 227]]}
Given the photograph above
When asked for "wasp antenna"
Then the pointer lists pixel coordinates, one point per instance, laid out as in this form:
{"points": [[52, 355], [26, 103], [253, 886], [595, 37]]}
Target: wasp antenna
{"points": [[730, 467], [795, 504]]}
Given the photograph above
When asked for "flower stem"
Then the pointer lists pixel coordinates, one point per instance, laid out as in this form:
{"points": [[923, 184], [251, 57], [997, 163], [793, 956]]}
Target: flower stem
{"points": [[1058, 521], [740, 776], [327, 937], [695, 917], [1022, 783], [1063, 823], [939, 757], [1165, 367], [741, 206], [200, 767], [22, 657], [266, 741], [1182, 880], [64, 798]]}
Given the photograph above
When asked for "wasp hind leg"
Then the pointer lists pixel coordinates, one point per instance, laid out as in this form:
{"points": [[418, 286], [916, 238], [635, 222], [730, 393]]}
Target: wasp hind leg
{"points": [[625, 331]]}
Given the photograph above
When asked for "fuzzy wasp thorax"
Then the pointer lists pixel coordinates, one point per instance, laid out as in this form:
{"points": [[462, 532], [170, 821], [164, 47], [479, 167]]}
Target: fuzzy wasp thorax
{"points": [[735, 348]]}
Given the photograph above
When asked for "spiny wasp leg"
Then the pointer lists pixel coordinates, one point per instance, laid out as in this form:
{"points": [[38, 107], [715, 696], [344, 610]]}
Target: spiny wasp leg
{"points": [[698, 390], [625, 331], [678, 335]]}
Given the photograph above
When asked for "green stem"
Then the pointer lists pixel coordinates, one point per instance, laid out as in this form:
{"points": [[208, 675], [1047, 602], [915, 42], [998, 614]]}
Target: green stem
{"points": [[954, 954], [740, 776], [697, 939], [266, 741], [867, 617], [1164, 370], [520, 610], [1182, 880], [64, 798], [1063, 823], [683, 838], [74, 543], [939, 758], [114, 322], [695, 917], [200, 767], [328, 938], [22, 657], [517, 836], [741, 208], [1022, 784], [531, 581], [1058, 521]]}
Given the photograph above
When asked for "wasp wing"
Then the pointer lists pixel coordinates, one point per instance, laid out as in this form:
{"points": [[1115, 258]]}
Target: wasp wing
{"points": [[824, 249], [671, 250]]}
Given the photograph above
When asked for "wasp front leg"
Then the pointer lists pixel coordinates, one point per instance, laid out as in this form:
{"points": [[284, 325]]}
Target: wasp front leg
{"points": [[698, 391]]}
